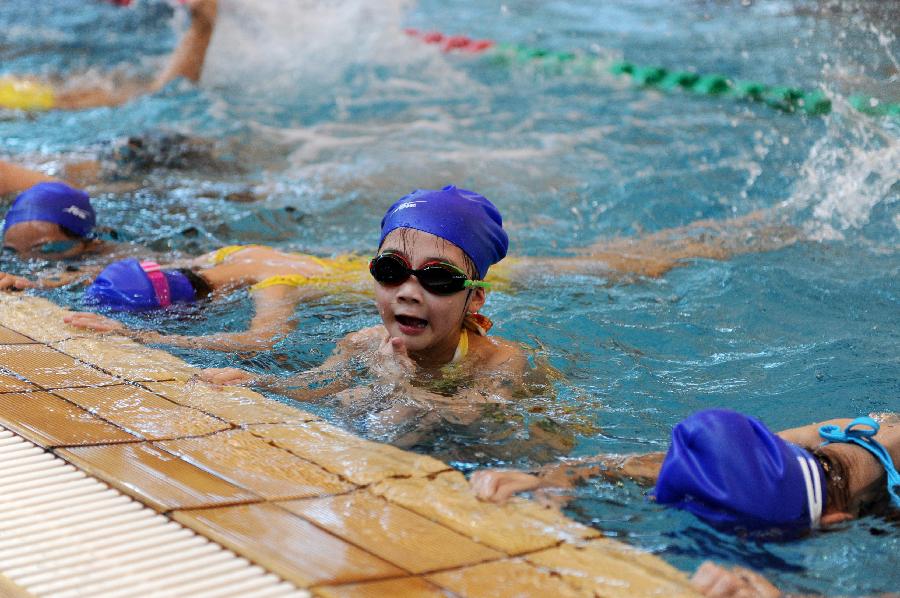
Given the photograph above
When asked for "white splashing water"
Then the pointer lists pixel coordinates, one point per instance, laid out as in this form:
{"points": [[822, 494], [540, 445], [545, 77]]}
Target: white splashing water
{"points": [[279, 45], [851, 169], [846, 174]]}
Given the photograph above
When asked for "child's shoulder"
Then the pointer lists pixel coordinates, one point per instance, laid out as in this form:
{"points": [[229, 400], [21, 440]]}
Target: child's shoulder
{"points": [[495, 352]]}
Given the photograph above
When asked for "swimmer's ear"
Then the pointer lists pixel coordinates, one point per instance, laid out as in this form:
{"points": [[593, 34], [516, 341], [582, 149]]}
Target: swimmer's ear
{"points": [[835, 517], [476, 300]]}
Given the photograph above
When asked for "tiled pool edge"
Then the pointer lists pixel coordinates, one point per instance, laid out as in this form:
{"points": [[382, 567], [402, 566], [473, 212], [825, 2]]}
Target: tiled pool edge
{"points": [[310, 493]]}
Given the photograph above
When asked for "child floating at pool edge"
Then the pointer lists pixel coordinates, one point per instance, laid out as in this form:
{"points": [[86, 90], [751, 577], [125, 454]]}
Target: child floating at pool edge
{"points": [[278, 281], [730, 470], [434, 251]]}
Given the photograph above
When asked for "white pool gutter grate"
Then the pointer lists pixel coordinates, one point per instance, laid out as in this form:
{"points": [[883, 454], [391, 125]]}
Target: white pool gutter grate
{"points": [[65, 534]]}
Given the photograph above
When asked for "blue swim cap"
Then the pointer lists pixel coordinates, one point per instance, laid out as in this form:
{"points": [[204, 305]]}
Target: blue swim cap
{"points": [[465, 218], [730, 470], [53, 202], [134, 286]]}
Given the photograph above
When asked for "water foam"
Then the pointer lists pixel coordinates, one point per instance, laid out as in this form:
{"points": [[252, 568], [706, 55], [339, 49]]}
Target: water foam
{"points": [[853, 168], [278, 46]]}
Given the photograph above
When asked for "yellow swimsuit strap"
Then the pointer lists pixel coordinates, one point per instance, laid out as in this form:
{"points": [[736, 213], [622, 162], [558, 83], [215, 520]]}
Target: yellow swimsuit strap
{"points": [[462, 349], [222, 254], [342, 273], [23, 94], [291, 280]]}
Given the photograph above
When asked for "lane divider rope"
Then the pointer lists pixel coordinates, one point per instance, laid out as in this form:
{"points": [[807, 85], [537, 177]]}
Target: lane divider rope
{"points": [[784, 98]]}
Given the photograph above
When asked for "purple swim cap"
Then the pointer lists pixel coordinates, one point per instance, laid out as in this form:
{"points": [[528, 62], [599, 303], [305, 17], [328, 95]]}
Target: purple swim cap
{"points": [[730, 470], [465, 218], [134, 286], [53, 202]]}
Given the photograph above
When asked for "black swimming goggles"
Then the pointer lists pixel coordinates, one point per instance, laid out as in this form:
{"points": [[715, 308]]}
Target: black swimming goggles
{"points": [[438, 278]]}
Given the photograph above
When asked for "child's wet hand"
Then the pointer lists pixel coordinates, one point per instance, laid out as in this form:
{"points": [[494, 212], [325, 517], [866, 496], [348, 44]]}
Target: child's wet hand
{"points": [[9, 282], [203, 11], [95, 322], [392, 359], [498, 485], [225, 376], [715, 580]]}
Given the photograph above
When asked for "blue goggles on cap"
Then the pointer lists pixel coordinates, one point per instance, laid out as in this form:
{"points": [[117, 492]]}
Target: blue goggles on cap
{"points": [[866, 439]]}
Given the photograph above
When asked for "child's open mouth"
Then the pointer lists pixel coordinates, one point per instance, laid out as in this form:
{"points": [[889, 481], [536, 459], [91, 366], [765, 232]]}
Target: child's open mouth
{"points": [[410, 324]]}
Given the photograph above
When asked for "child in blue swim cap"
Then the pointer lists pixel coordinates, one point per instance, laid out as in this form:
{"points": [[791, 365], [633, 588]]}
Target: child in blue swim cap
{"points": [[731, 471], [435, 248], [277, 281], [134, 285], [50, 220]]}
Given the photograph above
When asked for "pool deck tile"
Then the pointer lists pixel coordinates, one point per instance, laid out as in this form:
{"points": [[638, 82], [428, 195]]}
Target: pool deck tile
{"points": [[49, 368], [355, 459], [11, 337], [35, 317], [405, 587], [286, 544], [609, 568], [50, 421], [250, 462], [126, 358], [236, 405], [155, 477], [391, 532], [518, 527], [502, 579], [9, 383], [141, 412]]}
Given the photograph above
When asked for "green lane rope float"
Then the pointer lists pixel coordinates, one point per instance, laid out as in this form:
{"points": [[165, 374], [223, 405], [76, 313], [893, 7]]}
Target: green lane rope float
{"points": [[786, 99]]}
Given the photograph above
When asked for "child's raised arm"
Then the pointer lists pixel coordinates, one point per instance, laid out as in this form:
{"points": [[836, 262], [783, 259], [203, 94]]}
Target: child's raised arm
{"points": [[14, 179]]}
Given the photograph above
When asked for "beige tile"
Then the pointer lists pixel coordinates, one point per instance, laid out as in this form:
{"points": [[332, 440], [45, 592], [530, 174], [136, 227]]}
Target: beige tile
{"points": [[9, 383], [239, 406], [405, 587], [128, 359], [11, 337], [50, 369], [50, 421], [287, 545], [35, 317], [155, 477], [252, 463], [397, 535], [517, 527], [141, 412], [609, 568], [501, 579], [360, 461]]}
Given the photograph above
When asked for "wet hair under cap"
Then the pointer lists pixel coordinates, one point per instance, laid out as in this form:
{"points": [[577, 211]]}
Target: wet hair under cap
{"points": [[462, 217]]}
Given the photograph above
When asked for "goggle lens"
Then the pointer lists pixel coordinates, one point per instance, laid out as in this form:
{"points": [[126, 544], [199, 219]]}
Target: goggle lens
{"points": [[57, 247], [437, 278]]}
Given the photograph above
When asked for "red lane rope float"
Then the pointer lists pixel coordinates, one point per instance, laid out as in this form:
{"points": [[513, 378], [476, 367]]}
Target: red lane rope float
{"points": [[449, 43]]}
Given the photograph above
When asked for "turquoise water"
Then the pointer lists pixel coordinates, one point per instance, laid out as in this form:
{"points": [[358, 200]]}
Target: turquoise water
{"points": [[330, 124]]}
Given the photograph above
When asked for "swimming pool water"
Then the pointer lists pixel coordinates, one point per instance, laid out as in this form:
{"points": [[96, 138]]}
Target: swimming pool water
{"points": [[346, 117]]}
